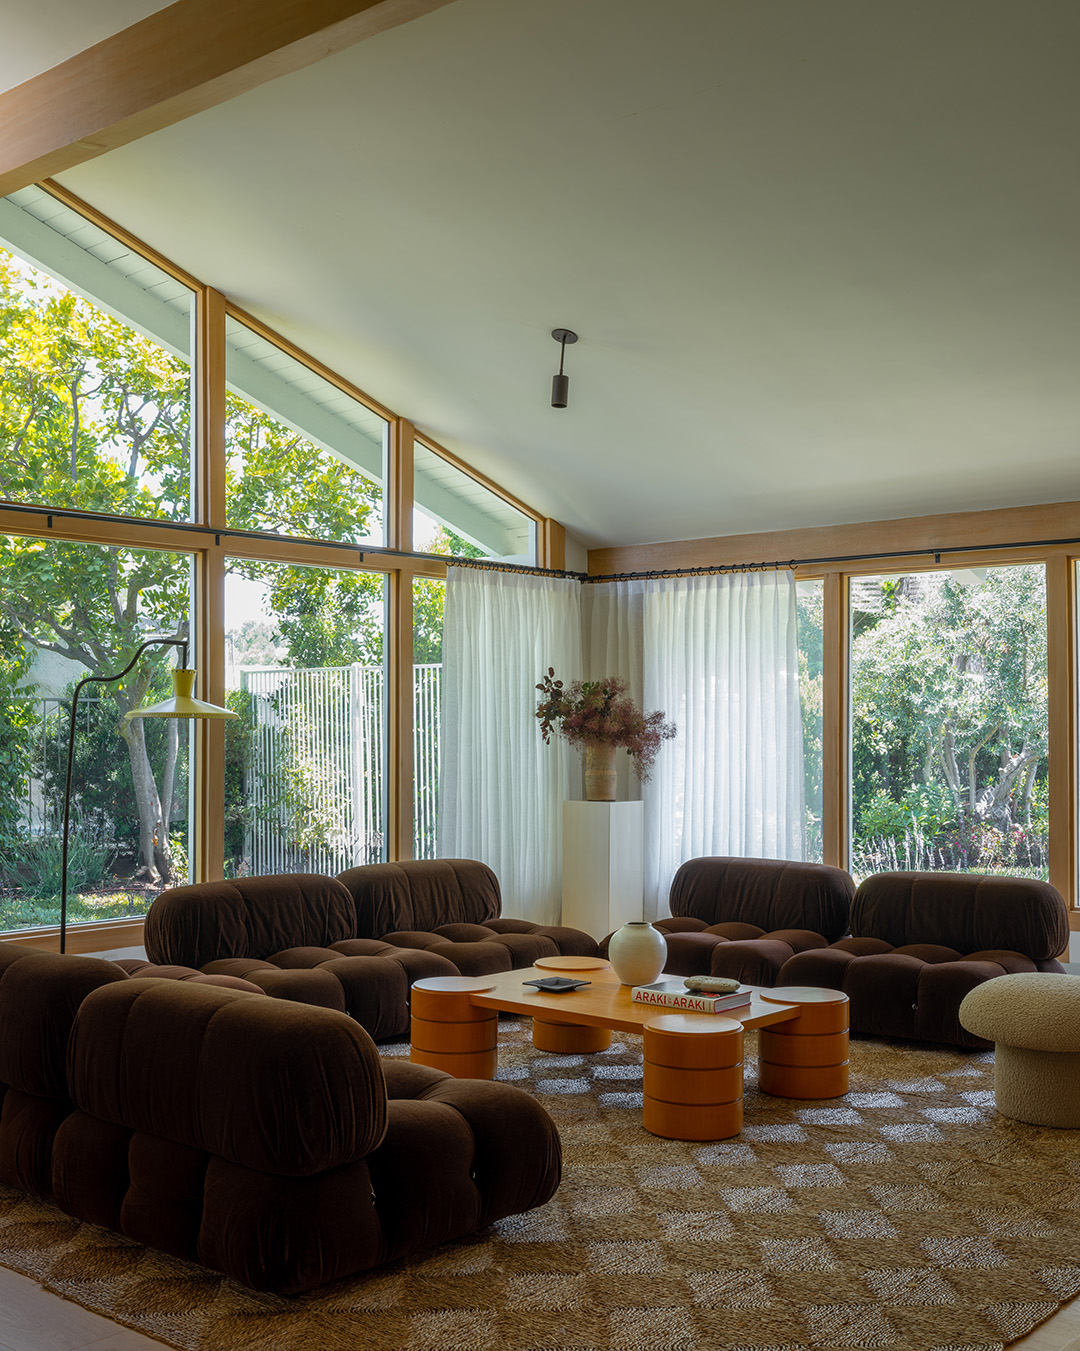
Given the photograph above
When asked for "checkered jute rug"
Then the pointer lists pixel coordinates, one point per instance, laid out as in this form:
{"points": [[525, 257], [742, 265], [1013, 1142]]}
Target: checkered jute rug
{"points": [[907, 1216]]}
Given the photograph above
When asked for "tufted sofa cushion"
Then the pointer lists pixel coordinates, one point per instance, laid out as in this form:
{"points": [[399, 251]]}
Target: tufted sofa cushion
{"points": [[921, 941], [450, 908], [966, 911], [745, 917], [248, 917], [419, 896]]}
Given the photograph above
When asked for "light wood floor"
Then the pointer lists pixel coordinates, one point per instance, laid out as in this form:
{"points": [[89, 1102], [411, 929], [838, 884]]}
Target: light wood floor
{"points": [[31, 1319]]}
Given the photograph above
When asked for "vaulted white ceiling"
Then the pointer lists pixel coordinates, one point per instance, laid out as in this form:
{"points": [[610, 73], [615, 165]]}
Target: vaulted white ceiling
{"points": [[822, 257]]}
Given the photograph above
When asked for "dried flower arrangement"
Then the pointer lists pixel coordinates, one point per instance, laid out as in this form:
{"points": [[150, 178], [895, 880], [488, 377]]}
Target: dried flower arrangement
{"points": [[601, 712]]}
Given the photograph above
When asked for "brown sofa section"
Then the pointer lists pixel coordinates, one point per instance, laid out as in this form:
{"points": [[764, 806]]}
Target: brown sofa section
{"points": [[452, 908], [40, 995], [745, 917], [921, 940], [294, 936], [262, 1138]]}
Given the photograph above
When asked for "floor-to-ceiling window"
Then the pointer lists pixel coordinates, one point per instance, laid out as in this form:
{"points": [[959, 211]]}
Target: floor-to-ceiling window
{"points": [[306, 760], [96, 401], [949, 721], [171, 467]]}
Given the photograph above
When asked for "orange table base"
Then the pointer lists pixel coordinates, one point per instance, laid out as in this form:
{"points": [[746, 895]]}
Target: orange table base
{"points": [[693, 1077], [569, 1038], [807, 1056], [448, 1033]]}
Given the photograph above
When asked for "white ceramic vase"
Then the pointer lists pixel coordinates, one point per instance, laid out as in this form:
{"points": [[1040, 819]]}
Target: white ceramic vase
{"points": [[637, 953]]}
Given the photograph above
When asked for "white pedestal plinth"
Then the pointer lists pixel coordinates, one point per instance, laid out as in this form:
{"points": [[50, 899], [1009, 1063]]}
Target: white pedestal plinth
{"points": [[602, 878]]}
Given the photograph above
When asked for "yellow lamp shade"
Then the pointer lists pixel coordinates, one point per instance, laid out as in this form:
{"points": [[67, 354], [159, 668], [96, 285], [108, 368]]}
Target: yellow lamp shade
{"points": [[183, 704]]}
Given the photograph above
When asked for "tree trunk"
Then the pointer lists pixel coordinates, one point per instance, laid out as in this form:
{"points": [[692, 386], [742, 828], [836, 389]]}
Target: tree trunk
{"points": [[993, 803], [1029, 785], [147, 801], [947, 756], [168, 788], [153, 861], [168, 779], [973, 791]]}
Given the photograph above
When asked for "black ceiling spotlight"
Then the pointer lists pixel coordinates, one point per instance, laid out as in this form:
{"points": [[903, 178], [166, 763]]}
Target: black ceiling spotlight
{"points": [[560, 384]]}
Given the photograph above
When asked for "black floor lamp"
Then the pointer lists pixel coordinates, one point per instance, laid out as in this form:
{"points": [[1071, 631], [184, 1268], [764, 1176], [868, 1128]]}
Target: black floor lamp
{"points": [[181, 705]]}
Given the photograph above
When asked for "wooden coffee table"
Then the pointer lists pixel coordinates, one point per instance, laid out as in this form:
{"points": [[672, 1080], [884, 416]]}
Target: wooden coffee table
{"points": [[693, 1072]]}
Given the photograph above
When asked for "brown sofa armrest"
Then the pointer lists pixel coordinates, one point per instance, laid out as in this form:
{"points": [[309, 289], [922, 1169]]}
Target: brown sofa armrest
{"points": [[283, 1088]]}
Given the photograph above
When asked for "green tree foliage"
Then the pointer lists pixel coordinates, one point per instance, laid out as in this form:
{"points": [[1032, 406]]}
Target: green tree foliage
{"points": [[429, 602], [101, 778], [325, 617], [18, 720], [239, 735], [949, 704], [92, 415], [95, 416], [95, 606]]}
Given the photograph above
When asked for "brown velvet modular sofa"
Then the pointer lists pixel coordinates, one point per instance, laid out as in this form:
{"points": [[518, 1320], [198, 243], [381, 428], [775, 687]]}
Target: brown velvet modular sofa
{"points": [[354, 943], [453, 908], [921, 940], [745, 917], [264, 1139]]}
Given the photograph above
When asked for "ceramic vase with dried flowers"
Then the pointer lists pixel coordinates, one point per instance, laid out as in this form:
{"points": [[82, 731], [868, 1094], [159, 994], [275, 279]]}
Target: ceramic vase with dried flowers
{"points": [[599, 716]]}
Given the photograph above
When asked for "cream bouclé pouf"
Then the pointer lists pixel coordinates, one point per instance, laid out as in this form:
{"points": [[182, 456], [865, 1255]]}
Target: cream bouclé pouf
{"points": [[1033, 1018]]}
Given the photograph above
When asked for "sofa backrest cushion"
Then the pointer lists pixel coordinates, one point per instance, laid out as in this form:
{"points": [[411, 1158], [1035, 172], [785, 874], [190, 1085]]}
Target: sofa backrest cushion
{"points": [[40, 994], [247, 917], [416, 897], [770, 893], [970, 912], [284, 1088]]}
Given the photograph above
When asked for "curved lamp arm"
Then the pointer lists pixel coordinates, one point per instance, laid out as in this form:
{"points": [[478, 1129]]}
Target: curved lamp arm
{"points": [[93, 680]]}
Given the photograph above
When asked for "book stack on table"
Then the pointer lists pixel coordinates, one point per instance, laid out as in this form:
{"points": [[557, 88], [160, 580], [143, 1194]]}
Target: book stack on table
{"points": [[673, 994]]}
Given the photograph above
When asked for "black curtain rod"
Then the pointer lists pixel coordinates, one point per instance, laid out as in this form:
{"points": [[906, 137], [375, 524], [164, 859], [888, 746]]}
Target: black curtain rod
{"points": [[493, 565], [192, 528], [719, 568]]}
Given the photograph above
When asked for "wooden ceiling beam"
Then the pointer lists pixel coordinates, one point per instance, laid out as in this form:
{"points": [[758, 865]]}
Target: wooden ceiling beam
{"points": [[190, 56]]}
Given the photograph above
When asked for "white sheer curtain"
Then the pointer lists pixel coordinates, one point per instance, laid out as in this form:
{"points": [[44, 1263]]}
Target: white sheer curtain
{"points": [[719, 656], [501, 789]]}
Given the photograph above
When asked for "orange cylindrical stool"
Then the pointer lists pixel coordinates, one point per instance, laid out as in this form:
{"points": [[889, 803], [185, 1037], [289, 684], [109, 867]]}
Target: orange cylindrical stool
{"points": [[693, 1077], [569, 1038], [807, 1056], [450, 1033]]}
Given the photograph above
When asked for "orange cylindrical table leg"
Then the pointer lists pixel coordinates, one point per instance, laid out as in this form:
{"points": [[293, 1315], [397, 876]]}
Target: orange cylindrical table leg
{"points": [[807, 1056], [450, 1033], [569, 1038], [693, 1077]]}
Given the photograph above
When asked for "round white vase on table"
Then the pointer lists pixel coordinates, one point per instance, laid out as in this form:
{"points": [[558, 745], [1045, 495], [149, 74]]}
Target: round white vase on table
{"points": [[637, 953]]}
